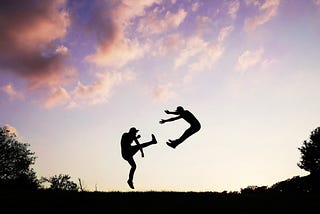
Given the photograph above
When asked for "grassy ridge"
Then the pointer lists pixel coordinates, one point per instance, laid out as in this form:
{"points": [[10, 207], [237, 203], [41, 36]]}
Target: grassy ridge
{"points": [[157, 202]]}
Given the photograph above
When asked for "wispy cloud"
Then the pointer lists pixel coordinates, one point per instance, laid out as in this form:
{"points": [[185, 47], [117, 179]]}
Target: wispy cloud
{"points": [[233, 8], [118, 54], [154, 23], [97, 92], [195, 6], [317, 2], [101, 89], [195, 54], [192, 47], [162, 93], [204, 50], [252, 2], [166, 44], [109, 23], [207, 54], [57, 97], [267, 10], [249, 59], [224, 33], [11, 91], [202, 23], [206, 60]]}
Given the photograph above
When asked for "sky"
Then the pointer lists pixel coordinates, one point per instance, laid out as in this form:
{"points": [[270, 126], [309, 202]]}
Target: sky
{"points": [[77, 74]]}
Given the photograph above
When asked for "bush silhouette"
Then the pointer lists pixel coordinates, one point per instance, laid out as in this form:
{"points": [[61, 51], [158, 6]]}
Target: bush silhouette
{"points": [[15, 162], [310, 153], [254, 189], [61, 182]]}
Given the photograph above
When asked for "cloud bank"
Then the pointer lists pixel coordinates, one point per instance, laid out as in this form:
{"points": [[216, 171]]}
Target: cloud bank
{"points": [[267, 10], [75, 53]]}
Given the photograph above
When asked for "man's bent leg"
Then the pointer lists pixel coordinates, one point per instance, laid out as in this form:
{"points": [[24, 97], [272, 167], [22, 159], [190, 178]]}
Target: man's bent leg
{"points": [[136, 148], [153, 141], [132, 170], [190, 131]]}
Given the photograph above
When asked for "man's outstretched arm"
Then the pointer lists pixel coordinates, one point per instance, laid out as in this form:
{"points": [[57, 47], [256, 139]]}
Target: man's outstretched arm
{"points": [[171, 112], [169, 120]]}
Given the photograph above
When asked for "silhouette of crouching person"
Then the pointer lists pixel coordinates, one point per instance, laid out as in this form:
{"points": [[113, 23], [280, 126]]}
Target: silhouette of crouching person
{"points": [[195, 125], [128, 150]]}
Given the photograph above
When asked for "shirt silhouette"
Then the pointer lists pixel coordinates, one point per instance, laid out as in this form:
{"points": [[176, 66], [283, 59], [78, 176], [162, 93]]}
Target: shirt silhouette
{"points": [[188, 117], [128, 150]]}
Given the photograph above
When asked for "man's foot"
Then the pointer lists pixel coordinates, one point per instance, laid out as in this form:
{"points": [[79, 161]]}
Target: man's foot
{"points": [[130, 184], [172, 144], [154, 140]]}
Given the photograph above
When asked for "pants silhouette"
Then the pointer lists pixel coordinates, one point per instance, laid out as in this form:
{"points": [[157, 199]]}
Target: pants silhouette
{"points": [[187, 133]]}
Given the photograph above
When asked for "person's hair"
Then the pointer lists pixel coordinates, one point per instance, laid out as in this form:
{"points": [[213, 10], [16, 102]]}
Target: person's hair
{"points": [[180, 109], [133, 130]]}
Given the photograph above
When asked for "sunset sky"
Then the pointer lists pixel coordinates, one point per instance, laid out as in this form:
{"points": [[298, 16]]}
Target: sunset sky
{"points": [[76, 74]]}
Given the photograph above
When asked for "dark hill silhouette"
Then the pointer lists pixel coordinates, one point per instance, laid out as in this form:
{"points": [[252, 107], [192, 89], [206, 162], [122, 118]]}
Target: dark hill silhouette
{"points": [[294, 195], [297, 184], [158, 202]]}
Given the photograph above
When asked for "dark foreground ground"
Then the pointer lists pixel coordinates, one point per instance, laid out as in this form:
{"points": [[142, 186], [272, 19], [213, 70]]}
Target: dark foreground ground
{"points": [[157, 202]]}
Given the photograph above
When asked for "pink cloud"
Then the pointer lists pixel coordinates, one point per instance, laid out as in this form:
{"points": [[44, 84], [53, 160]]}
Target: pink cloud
{"points": [[110, 21], [195, 6], [203, 54], [170, 43], [118, 54], [206, 60], [317, 2], [12, 92], [268, 9], [202, 24], [28, 30], [224, 33], [153, 23], [249, 59], [95, 93], [233, 8], [100, 90], [193, 46], [163, 93], [252, 2], [129, 9], [58, 96], [265, 64]]}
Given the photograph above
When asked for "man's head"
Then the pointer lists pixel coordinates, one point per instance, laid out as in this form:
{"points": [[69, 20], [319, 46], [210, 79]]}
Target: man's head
{"points": [[133, 131], [180, 109]]}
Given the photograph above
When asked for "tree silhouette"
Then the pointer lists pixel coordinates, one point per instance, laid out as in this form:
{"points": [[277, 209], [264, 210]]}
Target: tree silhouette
{"points": [[61, 183], [310, 153], [15, 162]]}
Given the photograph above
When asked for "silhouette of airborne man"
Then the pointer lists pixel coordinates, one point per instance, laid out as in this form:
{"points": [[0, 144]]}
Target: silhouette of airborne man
{"points": [[128, 150], [188, 117]]}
